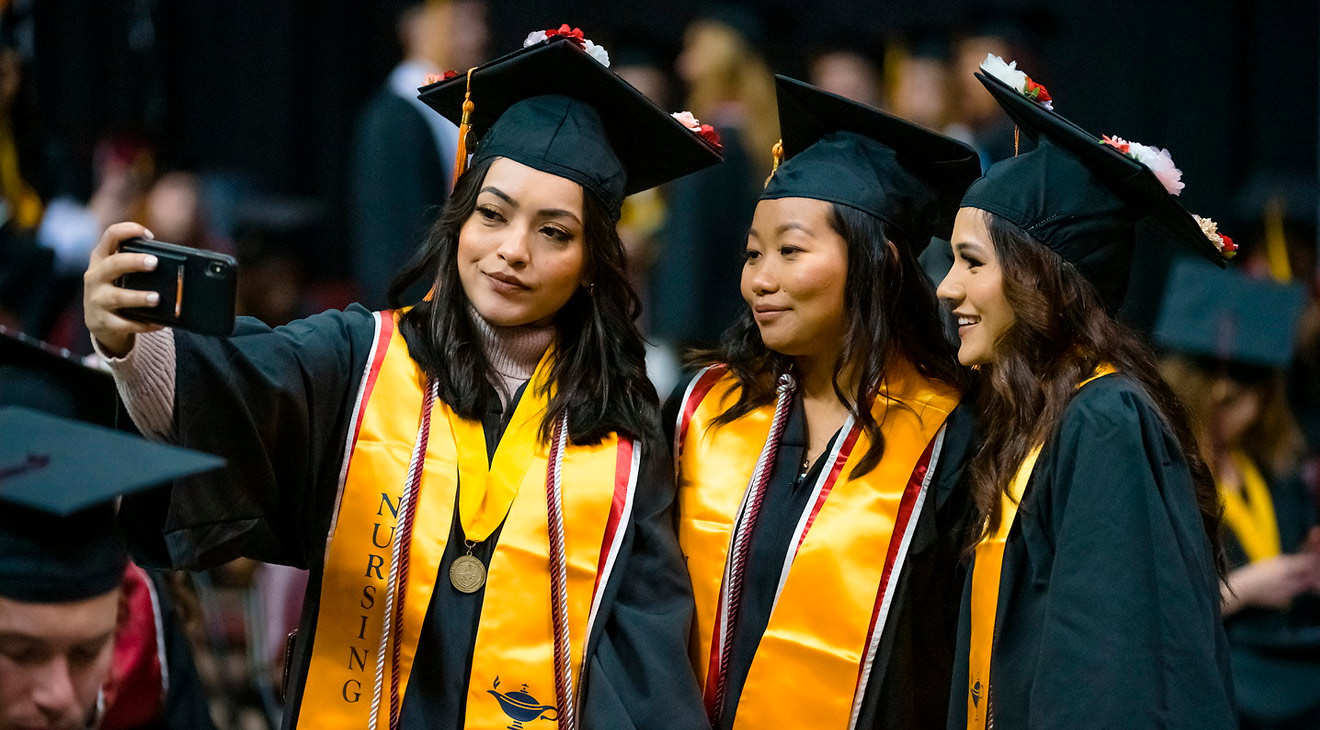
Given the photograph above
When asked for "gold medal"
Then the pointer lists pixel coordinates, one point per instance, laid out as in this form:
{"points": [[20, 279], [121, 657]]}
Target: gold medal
{"points": [[467, 574]]}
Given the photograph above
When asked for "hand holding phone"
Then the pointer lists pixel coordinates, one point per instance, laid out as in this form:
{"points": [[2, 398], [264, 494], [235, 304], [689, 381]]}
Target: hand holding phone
{"points": [[196, 288]]}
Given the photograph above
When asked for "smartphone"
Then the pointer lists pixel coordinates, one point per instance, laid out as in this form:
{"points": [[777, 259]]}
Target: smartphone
{"points": [[196, 287]]}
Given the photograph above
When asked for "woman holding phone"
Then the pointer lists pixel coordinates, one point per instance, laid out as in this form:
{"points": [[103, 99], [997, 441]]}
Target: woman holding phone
{"points": [[476, 481]]}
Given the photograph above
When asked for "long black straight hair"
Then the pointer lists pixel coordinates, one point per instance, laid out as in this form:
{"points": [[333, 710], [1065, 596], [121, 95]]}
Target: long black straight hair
{"points": [[599, 370], [891, 309]]}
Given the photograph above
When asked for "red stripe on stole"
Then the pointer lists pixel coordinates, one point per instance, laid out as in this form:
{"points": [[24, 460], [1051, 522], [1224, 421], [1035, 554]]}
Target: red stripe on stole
{"points": [[622, 478], [703, 385], [844, 452], [382, 345], [905, 507]]}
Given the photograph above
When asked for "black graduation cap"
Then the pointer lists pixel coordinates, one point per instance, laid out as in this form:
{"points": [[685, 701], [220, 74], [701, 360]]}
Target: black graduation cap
{"points": [[553, 107], [1079, 197], [840, 151], [1229, 317], [58, 480], [38, 375]]}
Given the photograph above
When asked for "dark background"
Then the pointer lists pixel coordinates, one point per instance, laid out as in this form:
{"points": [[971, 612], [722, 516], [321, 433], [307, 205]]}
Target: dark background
{"points": [[267, 90]]}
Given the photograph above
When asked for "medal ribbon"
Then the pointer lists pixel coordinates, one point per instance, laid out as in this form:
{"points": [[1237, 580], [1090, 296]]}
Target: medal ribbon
{"points": [[986, 571], [1251, 518], [487, 487]]}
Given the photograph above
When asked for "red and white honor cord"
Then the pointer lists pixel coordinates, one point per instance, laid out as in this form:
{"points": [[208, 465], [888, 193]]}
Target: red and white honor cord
{"points": [[554, 499], [397, 581], [742, 534]]}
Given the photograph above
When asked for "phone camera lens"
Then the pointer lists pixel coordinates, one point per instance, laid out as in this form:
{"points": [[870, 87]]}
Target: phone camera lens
{"points": [[215, 268]]}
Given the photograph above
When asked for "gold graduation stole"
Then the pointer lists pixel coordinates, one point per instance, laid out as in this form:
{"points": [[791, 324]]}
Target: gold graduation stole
{"points": [[814, 660], [1251, 519], [366, 635], [986, 569]]}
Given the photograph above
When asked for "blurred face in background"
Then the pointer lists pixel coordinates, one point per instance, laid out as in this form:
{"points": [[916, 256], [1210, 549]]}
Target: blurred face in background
{"points": [[174, 208], [794, 277], [847, 74], [920, 91], [710, 50], [522, 252], [450, 35], [974, 102], [54, 658]]}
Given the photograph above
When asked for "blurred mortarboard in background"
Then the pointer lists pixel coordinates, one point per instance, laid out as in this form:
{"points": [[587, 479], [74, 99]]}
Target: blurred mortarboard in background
{"points": [[1229, 317], [58, 481], [37, 375], [555, 108], [1079, 197], [840, 151]]}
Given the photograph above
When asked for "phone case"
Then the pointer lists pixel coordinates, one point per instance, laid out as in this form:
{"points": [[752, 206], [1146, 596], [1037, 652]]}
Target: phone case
{"points": [[196, 287]]}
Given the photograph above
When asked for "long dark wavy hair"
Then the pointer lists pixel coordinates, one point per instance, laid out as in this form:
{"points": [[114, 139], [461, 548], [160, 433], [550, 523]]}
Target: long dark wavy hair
{"points": [[599, 370], [1061, 334], [890, 308]]}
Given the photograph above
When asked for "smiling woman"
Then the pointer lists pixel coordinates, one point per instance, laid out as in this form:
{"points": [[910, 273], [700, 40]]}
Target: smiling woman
{"points": [[1095, 561], [826, 433], [475, 480]]}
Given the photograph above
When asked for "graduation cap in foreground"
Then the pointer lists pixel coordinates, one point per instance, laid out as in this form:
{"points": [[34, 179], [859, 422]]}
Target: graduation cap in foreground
{"points": [[840, 151], [1229, 318], [553, 107], [38, 375], [58, 480], [1082, 197]]}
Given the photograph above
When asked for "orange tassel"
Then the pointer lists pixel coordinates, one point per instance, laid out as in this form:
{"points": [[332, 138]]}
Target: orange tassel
{"points": [[464, 125], [1016, 131], [777, 156]]}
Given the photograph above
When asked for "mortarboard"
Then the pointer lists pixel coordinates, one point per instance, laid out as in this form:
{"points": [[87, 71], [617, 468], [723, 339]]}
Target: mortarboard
{"points": [[58, 481], [1079, 196], [51, 379], [1229, 317], [840, 151], [553, 107]]}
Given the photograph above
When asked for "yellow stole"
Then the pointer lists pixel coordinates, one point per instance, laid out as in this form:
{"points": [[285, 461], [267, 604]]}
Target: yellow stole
{"points": [[514, 641], [1251, 519], [814, 659], [986, 569]]}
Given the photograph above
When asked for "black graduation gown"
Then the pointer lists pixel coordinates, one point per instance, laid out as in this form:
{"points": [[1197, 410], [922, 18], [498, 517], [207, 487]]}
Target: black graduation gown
{"points": [[1276, 654], [277, 403], [909, 683], [1108, 613]]}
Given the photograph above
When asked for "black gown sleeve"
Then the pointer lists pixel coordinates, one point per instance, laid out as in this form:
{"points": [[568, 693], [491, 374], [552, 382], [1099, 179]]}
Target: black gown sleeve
{"points": [[1130, 633], [275, 403], [639, 675]]}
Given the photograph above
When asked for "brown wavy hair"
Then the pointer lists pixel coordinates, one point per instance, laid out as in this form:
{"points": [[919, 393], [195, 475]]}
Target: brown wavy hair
{"points": [[1062, 332]]}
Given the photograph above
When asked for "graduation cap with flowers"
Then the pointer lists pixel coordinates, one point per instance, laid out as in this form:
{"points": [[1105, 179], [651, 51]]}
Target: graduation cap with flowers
{"points": [[555, 106], [1080, 194]]}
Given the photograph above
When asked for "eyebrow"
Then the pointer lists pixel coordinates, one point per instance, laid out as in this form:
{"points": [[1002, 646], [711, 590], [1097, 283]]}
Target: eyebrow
{"points": [[544, 213], [18, 635], [961, 246], [500, 194], [557, 213], [781, 230]]}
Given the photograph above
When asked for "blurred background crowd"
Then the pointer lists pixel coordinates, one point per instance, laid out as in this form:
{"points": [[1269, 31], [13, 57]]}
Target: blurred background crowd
{"points": [[287, 134]]}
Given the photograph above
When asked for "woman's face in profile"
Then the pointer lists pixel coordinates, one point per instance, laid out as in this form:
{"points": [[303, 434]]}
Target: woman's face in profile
{"points": [[974, 289], [522, 251]]}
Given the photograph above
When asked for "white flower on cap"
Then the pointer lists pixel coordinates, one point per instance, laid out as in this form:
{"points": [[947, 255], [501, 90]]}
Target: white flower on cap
{"points": [[1159, 161], [595, 51], [1017, 79]]}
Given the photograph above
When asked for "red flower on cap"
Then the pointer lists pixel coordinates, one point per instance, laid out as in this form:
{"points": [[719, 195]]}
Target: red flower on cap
{"points": [[709, 134], [1117, 143], [1037, 91], [1230, 248], [564, 30], [437, 78]]}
